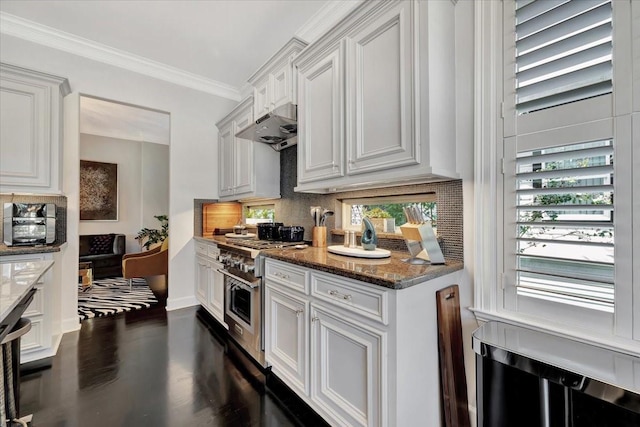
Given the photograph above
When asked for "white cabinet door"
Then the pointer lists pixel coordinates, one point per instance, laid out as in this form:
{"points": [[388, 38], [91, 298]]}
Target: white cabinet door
{"points": [[216, 291], [320, 115], [261, 97], [202, 280], [286, 339], [274, 82], [282, 86], [30, 130], [380, 94], [348, 369], [244, 156], [226, 139]]}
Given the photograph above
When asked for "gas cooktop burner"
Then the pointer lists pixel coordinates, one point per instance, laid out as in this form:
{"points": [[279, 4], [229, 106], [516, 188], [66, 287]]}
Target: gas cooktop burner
{"points": [[260, 244]]}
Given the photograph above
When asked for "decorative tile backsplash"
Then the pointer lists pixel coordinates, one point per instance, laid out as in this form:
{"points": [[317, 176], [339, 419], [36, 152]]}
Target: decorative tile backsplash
{"points": [[61, 210], [293, 208]]}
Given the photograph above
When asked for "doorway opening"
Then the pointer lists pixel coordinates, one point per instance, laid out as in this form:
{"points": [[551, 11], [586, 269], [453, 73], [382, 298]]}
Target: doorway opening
{"points": [[123, 198]]}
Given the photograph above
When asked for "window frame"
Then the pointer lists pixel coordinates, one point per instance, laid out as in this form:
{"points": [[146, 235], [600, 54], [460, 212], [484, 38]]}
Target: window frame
{"points": [[495, 297], [346, 204]]}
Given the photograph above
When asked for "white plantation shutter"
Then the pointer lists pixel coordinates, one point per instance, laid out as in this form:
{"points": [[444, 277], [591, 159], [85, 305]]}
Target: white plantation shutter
{"points": [[563, 52], [564, 219], [559, 188]]}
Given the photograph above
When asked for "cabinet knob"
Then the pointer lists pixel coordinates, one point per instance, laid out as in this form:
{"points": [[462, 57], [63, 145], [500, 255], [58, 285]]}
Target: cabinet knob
{"points": [[299, 312], [314, 320]]}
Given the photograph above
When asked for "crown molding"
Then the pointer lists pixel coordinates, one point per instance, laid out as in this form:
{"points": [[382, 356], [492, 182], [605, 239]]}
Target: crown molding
{"points": [[325, 18], [41, 34]]}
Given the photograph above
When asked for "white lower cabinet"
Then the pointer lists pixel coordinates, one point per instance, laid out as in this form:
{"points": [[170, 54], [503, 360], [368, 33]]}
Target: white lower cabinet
{"points": [[44, 337], [216, 291], [333, 361], [287, 340], [202, 278], [357, 353], [347, 368], [209, 281]]}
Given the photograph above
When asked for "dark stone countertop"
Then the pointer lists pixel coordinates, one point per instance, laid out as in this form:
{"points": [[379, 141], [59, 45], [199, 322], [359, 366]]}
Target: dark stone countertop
{"points": [[392, 272], [25, 250]]}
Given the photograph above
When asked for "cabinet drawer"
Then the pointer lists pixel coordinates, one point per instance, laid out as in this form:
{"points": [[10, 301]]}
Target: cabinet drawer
{"points": [[201, 248], [207, 250], [287, 275], [366, 300], [213, 251], [37, 304]]}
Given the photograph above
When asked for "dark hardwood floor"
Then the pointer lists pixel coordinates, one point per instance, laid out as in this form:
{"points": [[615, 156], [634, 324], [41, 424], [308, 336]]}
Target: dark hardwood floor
{"points": [[146, 368]]}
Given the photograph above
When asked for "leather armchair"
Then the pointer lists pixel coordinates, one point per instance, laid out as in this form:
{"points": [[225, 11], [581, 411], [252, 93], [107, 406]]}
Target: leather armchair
{"points": [[154, 262]]}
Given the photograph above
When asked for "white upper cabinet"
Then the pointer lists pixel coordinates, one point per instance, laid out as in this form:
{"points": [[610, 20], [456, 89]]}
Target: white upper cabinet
{"points": [[30, 130], [226, 141], [244, 159], [376, 95], [246, 169], [274, 83]]}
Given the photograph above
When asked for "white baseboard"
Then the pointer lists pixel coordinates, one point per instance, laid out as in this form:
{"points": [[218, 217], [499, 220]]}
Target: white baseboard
{"points": [[71, 324], [473, 415], [184, 302]]}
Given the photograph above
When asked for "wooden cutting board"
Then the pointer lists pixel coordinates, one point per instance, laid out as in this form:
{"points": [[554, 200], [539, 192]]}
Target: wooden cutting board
{"points": [[453, 382]]}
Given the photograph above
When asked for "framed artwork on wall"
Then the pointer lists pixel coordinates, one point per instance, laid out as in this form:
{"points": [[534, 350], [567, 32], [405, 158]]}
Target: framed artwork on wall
{"points": [[98, 191]]}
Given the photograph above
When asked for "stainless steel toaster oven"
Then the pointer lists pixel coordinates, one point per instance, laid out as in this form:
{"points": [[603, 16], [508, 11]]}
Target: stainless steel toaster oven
{"points": [[29, 223]]}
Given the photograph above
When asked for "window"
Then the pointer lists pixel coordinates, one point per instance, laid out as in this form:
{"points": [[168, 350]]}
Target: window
{"points": [[564, 139], [353, 210], [564, 219], [255, 214], [563, 52]]}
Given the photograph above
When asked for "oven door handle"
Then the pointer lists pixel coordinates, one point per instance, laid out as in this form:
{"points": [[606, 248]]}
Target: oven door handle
{"points": [[239, 279]]}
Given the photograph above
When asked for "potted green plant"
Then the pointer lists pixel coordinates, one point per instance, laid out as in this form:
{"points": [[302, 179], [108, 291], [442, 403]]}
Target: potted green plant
{"points": [[152, 236], [382, 221]]}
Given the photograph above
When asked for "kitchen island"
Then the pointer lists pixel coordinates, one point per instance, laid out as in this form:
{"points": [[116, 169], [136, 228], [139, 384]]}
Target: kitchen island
{"points": [[17, 290], [18, 281]]}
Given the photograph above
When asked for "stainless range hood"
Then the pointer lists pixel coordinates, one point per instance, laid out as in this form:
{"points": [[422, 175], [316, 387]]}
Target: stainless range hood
{"points": [[279, 128]]}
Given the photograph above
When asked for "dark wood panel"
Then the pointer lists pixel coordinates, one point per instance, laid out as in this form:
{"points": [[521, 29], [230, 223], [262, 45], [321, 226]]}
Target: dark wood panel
{"points": [[452, 374]]}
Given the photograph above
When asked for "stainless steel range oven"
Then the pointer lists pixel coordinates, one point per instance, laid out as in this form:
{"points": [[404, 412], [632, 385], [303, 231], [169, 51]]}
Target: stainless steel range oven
{"points": [[244, 292], [243, 310]]}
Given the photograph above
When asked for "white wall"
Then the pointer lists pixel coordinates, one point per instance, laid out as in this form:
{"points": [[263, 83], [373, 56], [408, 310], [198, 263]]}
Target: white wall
{"points": [[155, 183], [128, 156], [193, 151]]}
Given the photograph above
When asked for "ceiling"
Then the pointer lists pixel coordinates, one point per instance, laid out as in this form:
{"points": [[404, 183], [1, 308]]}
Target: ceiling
{"points": [[221, 40], [121, 121]]}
